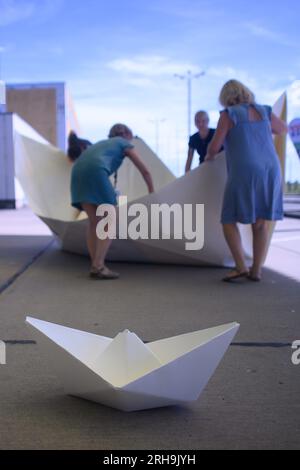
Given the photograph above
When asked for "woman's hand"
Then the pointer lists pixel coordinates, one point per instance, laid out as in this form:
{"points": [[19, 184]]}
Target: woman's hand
{"points": [[137, 161], [148, 180], [209, 158], [189, 162], [218, 140]]}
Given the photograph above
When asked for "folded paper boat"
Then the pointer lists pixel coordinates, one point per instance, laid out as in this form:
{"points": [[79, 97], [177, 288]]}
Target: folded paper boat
{"points": [[129, 375]]}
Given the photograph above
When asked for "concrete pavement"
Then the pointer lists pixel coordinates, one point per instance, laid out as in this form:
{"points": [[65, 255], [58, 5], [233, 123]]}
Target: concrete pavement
{"points": [[23, 238], [253, 400]]}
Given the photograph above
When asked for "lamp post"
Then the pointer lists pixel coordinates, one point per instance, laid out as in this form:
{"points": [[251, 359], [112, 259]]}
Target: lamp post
{"points": [[189, 77], [157, 123], [2, 86]]}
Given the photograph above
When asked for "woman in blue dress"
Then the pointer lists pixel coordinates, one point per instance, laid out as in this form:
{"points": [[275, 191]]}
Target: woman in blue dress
{"points": [[253, 193], [91, 187]]}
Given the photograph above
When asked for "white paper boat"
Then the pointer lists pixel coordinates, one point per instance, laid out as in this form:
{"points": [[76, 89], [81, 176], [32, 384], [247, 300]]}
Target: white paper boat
{"points": [[125, 373]]}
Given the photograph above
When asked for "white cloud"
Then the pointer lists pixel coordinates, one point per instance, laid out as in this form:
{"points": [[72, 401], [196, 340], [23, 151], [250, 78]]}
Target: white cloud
{"points": [[263, 86], [97, 119], [14, 11], [294, 95], [151, 66], [11, 11], [227, 72], [140, 82], [196, 10], [260, 31]]}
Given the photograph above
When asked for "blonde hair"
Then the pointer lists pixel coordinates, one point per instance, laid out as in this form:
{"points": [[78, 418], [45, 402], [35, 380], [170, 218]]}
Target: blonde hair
{"points": [[235, 92], [201, 114], [121, 130]]}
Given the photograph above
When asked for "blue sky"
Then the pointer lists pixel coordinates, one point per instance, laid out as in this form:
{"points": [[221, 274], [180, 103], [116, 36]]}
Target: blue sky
{"points": [[119, 59]]}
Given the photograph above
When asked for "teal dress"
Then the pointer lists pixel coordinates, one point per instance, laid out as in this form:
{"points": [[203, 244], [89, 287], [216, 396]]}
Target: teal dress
{"points": [[254, 186], [90, 179]]}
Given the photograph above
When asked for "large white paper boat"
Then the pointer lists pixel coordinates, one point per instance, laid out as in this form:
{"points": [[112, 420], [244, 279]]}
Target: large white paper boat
{"points": [[44, 173]]}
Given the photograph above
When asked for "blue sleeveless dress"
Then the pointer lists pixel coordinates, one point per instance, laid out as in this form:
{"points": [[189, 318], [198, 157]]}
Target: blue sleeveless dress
{"points": [[254, 186], [90, 179]]}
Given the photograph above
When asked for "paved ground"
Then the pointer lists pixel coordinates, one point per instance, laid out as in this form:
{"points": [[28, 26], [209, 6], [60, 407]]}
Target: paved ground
{"points": [[284, 254], [292, 205], [253, 401]]}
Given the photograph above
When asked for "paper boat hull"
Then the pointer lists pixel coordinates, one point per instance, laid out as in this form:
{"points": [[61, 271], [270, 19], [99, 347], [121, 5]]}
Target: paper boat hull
{"points": [[178, 380]]}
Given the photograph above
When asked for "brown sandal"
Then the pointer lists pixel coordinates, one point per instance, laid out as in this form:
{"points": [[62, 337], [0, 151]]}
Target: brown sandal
{"points": [[103, 274], [253, 278], [236, 277]]}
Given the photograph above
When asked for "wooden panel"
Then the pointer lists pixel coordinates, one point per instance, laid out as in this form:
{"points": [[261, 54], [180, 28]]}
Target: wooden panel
{"points": [[38, 107]]}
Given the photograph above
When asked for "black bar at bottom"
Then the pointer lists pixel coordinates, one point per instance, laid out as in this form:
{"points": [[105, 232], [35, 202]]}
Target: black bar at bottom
{"points": [[96, 459]]}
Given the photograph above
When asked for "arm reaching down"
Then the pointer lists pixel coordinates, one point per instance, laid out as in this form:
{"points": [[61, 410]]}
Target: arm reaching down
{"points": [[224, 125], [136, 160], [189, 160]]}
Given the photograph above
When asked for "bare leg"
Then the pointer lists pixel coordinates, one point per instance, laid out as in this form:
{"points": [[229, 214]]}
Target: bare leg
{"points": [[260, 243], [91, 242], [102, 248], [234, 241], [97, 248], [91, 210]]}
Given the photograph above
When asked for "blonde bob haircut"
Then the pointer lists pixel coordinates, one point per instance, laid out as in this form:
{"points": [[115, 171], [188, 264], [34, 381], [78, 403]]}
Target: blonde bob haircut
{"points": [[235, 92], [201, 114], [121, 130]]}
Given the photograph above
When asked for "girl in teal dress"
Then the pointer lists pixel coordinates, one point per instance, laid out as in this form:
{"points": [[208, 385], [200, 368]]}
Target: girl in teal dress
{"points": [[91, 187], [253, 192]]}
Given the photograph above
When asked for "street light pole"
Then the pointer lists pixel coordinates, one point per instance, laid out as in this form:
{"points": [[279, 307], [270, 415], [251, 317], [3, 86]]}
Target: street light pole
{"points": [[157, 123], [189, 82], [189, 77], [2, 86], [1, 55]]}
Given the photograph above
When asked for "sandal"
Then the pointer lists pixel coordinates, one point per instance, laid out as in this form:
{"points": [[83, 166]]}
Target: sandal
{"points": [[236, 275], [253, 278], [103, 274]]}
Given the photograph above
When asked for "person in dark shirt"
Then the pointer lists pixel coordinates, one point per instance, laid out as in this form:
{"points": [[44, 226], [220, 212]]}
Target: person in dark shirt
{"points": [[201, 140], [76, 146]]}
